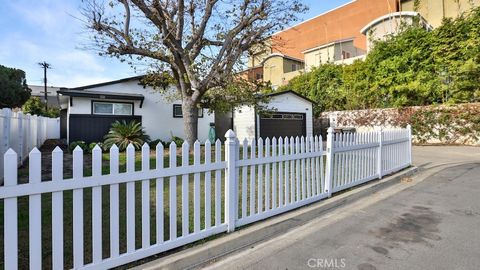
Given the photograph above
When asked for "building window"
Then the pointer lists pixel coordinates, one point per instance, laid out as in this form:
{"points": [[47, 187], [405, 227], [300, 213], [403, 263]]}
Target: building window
{"points": [[294, 67], [177, 111], [345, 55], [259, 76], [109, 108]]}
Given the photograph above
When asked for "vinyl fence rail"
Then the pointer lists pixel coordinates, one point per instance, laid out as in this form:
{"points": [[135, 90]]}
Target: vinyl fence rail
{"points": [[22, 132], [122, 215]]}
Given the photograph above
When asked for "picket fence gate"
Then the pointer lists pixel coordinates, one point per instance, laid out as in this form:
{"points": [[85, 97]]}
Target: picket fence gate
{"points": [[260, 179]]}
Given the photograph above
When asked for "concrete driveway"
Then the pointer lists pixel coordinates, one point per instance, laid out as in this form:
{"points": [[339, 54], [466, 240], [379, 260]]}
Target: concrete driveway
{"points": [[431, 221]]}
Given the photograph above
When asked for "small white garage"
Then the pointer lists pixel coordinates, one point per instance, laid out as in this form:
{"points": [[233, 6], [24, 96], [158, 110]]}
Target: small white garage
{"points": [[288, 114]]}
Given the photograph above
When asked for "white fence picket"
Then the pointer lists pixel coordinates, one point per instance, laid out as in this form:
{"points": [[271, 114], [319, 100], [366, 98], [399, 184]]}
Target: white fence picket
{"points": [[252, 178], [77, 209], [159, 206], [267, 175], [208, 186], [281, 183], [196, 188], [114, 206], [218, 184], [97, 206], [145, 197], [185, 195], [35, 210], [244, 178], [274, 174], [173, 193], [57, 210], [284, 174], [130, 200], [260, 177]]}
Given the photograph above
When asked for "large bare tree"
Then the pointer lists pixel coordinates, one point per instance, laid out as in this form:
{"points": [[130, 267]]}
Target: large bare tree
{"points": [[199, 42]]}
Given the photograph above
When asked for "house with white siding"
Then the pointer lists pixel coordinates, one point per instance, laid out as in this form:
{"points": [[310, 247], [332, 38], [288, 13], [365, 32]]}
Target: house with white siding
{"points": [[87, 112], [287, 113]]}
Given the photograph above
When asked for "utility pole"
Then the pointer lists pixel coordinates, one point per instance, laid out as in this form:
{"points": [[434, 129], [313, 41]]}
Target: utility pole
{"points": [[45, 66]]}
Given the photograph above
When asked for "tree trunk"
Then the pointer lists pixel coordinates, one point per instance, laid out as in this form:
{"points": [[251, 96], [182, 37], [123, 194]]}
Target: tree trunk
{"points": [[190, 120]]}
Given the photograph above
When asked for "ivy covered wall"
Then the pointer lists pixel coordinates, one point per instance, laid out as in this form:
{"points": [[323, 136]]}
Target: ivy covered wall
{"points": [[440, 124]]}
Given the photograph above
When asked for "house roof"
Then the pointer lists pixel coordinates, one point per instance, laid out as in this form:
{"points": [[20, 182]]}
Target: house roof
{"points": [[108, 83], [100, 94], [313, 18], [329, 44], [290, 92], [389, 16], [283, 56]]}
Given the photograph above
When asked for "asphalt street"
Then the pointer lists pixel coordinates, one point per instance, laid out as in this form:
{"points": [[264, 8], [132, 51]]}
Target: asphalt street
{"points": [[429, 221]]}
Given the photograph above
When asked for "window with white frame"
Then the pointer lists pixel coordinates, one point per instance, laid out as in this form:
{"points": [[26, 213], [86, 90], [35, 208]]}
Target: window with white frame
{"points": [[112, 108]]}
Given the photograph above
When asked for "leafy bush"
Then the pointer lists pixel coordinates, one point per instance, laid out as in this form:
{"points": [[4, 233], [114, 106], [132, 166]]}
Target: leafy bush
{"points": [[34, 105], [82, 145], [153, 144], [93, 144], [122, 134], [177, 140]]}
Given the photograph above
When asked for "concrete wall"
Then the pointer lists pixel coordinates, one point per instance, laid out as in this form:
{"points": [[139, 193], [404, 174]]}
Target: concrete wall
{"points": [[319, 56], [386, 28], [455, 124], [156, 112], [273, 70], [331, 54], [435, 10], [276, 67]]}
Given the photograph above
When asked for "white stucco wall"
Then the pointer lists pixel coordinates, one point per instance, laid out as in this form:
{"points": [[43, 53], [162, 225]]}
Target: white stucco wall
{"points": [[244, 117], [156, 112]]}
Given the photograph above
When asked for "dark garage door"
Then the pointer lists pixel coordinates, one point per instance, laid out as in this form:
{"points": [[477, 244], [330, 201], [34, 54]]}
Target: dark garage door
{"points": [[282, 124], [92, 128]]}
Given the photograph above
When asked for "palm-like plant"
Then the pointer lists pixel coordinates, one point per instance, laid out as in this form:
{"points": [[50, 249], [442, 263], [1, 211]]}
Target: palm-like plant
{"points": [[122, 134]]}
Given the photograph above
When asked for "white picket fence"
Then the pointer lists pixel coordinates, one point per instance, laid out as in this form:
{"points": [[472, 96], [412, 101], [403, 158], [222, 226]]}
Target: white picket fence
{"points": [[255, 180], [22, 132]]}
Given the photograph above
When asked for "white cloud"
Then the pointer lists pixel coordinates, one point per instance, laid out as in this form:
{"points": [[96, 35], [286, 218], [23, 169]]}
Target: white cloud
{"points": [[53, 17], [45, 31]]}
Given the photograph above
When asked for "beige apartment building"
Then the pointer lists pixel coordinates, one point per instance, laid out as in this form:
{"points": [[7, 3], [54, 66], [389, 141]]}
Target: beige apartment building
{"points": [[339, 51], [343, 35], [435, 10]]}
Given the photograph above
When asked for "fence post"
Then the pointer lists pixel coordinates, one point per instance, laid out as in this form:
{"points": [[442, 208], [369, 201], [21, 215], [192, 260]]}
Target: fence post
{"points": [[10, 212], [21, 134], [6, 129], [329, 164], [230, 181], [409, 129], [379, 155]]}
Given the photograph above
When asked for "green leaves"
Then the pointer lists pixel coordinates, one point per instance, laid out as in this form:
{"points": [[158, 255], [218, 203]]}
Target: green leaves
{"points": [[34, 105], [122, 134], [14, 91]]}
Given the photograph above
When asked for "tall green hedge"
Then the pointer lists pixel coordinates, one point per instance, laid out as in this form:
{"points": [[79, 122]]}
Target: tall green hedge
{"points": [[413, 68]]}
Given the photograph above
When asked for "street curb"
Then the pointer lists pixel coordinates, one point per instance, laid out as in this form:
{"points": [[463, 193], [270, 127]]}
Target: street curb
{"points": [[248, 236]]}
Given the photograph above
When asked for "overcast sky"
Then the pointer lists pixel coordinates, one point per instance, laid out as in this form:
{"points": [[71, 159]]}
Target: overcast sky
{"points": [[32, 31]]}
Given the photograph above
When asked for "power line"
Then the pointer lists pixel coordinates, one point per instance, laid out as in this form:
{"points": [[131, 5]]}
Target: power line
{"points": [[45, 66]]}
